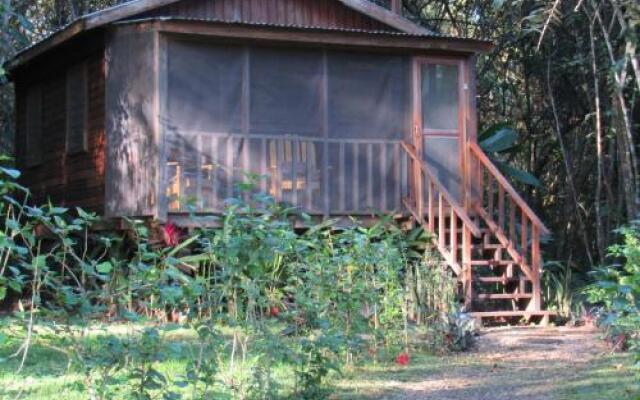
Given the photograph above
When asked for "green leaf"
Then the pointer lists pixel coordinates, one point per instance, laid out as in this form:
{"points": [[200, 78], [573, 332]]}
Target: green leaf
{"points": [[501, 139], [3, 292], [517, 174], [182, 245], [13, 173], [104, 267], [58, 210], [39, 261], [59, 222]]}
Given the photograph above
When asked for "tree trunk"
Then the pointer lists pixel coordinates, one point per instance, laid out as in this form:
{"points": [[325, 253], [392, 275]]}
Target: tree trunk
{"points": [[598, 196]]}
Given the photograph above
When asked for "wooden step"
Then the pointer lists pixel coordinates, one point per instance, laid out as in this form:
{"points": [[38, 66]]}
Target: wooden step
{"points": [[503, 296], [518, 313], [499, 279], [491, 262]]}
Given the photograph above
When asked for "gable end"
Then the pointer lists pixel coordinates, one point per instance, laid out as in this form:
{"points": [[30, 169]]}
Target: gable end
{"points": [[299, 13]]}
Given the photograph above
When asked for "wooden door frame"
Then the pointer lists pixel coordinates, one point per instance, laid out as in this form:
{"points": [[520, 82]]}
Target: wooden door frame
{"points": [[417, 135]]}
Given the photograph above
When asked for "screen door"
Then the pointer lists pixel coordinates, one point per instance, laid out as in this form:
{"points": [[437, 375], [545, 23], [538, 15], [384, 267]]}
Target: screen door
{"points": [[438, 118]]}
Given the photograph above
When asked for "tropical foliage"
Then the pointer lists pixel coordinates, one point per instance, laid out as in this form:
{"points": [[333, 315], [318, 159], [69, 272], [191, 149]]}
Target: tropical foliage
{"points": [[617, 291], [256, 296]]}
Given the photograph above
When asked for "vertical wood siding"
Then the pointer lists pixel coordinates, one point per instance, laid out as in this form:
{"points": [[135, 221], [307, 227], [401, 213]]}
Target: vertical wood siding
{"points": [[131, 124], [315, 13], [78, 179]]}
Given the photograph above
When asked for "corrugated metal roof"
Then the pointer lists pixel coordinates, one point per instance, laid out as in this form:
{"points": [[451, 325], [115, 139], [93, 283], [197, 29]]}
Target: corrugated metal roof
{"points": [[94, 20], [300, 27]]}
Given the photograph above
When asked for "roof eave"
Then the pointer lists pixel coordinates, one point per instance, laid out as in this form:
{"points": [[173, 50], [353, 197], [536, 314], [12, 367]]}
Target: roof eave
{"points": [[125, 10], [315, 35]]}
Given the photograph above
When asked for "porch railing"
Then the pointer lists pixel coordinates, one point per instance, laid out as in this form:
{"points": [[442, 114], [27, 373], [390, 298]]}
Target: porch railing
{"points": [[321, 176], [441, 208], [508, 216]]}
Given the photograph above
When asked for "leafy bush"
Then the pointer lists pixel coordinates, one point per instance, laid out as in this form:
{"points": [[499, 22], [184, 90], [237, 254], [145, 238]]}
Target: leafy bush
{"points": [[253, 297], [617, 290]]}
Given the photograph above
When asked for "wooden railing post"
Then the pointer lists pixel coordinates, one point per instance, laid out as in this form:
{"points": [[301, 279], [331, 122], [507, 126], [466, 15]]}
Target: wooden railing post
{"points": [[441, 225], [523, 238], [418, 173], [419, 196], [453, 235], [467, 282], [431, 213], [536, 268]]}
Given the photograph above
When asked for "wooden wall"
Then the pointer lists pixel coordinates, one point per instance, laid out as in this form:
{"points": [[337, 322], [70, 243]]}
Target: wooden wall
{"points": [[131, 123], [316, 13], [74, 180]]}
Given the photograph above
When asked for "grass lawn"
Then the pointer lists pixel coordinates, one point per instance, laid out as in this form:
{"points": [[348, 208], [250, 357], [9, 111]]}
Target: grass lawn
{"points": [[48, 374], [609, 377]]}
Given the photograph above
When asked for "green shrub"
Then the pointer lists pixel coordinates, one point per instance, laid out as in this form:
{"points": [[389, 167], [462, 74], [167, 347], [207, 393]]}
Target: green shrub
{"points": [[617, 290], [257, 295]]}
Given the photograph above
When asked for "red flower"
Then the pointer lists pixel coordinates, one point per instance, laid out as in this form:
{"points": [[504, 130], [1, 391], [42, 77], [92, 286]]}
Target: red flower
{"points": [[171, 234], [274, 311], [402, 359]]}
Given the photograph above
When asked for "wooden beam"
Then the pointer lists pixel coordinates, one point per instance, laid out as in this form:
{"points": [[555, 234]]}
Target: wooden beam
{"points": [[387, 17], [324, 104], [493, 314], [503, 296], [316, 37]]}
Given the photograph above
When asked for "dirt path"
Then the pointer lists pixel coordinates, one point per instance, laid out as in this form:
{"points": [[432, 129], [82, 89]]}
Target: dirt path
{"points": [[515, 363], [507, 363]]}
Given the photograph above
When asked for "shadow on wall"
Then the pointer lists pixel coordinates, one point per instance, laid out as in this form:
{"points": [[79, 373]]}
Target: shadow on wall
{"points": [[131, 145]]}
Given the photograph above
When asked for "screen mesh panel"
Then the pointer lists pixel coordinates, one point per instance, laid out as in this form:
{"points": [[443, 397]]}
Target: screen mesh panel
{"points": [[285, 92], [322, 128], [205, 87], [367, 95], [443, 155], [439, 96]]}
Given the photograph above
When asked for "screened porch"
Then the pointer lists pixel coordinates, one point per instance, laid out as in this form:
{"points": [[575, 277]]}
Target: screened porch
{"points": [[322, 129]]}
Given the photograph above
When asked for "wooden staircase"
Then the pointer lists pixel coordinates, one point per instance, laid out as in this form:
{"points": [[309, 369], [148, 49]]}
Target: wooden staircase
{"points": [[491, 240]]}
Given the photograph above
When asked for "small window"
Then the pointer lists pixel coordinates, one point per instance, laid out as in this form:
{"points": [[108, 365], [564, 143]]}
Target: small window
{"points": [[34, 126], [77, 109]]}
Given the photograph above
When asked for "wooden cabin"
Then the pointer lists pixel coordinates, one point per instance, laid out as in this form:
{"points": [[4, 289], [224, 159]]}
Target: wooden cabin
{"points": [[159, 108]]}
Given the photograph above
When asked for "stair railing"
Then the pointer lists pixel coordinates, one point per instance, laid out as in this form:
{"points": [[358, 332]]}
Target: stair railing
{"points": [[504, 211], [440, 205]]}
